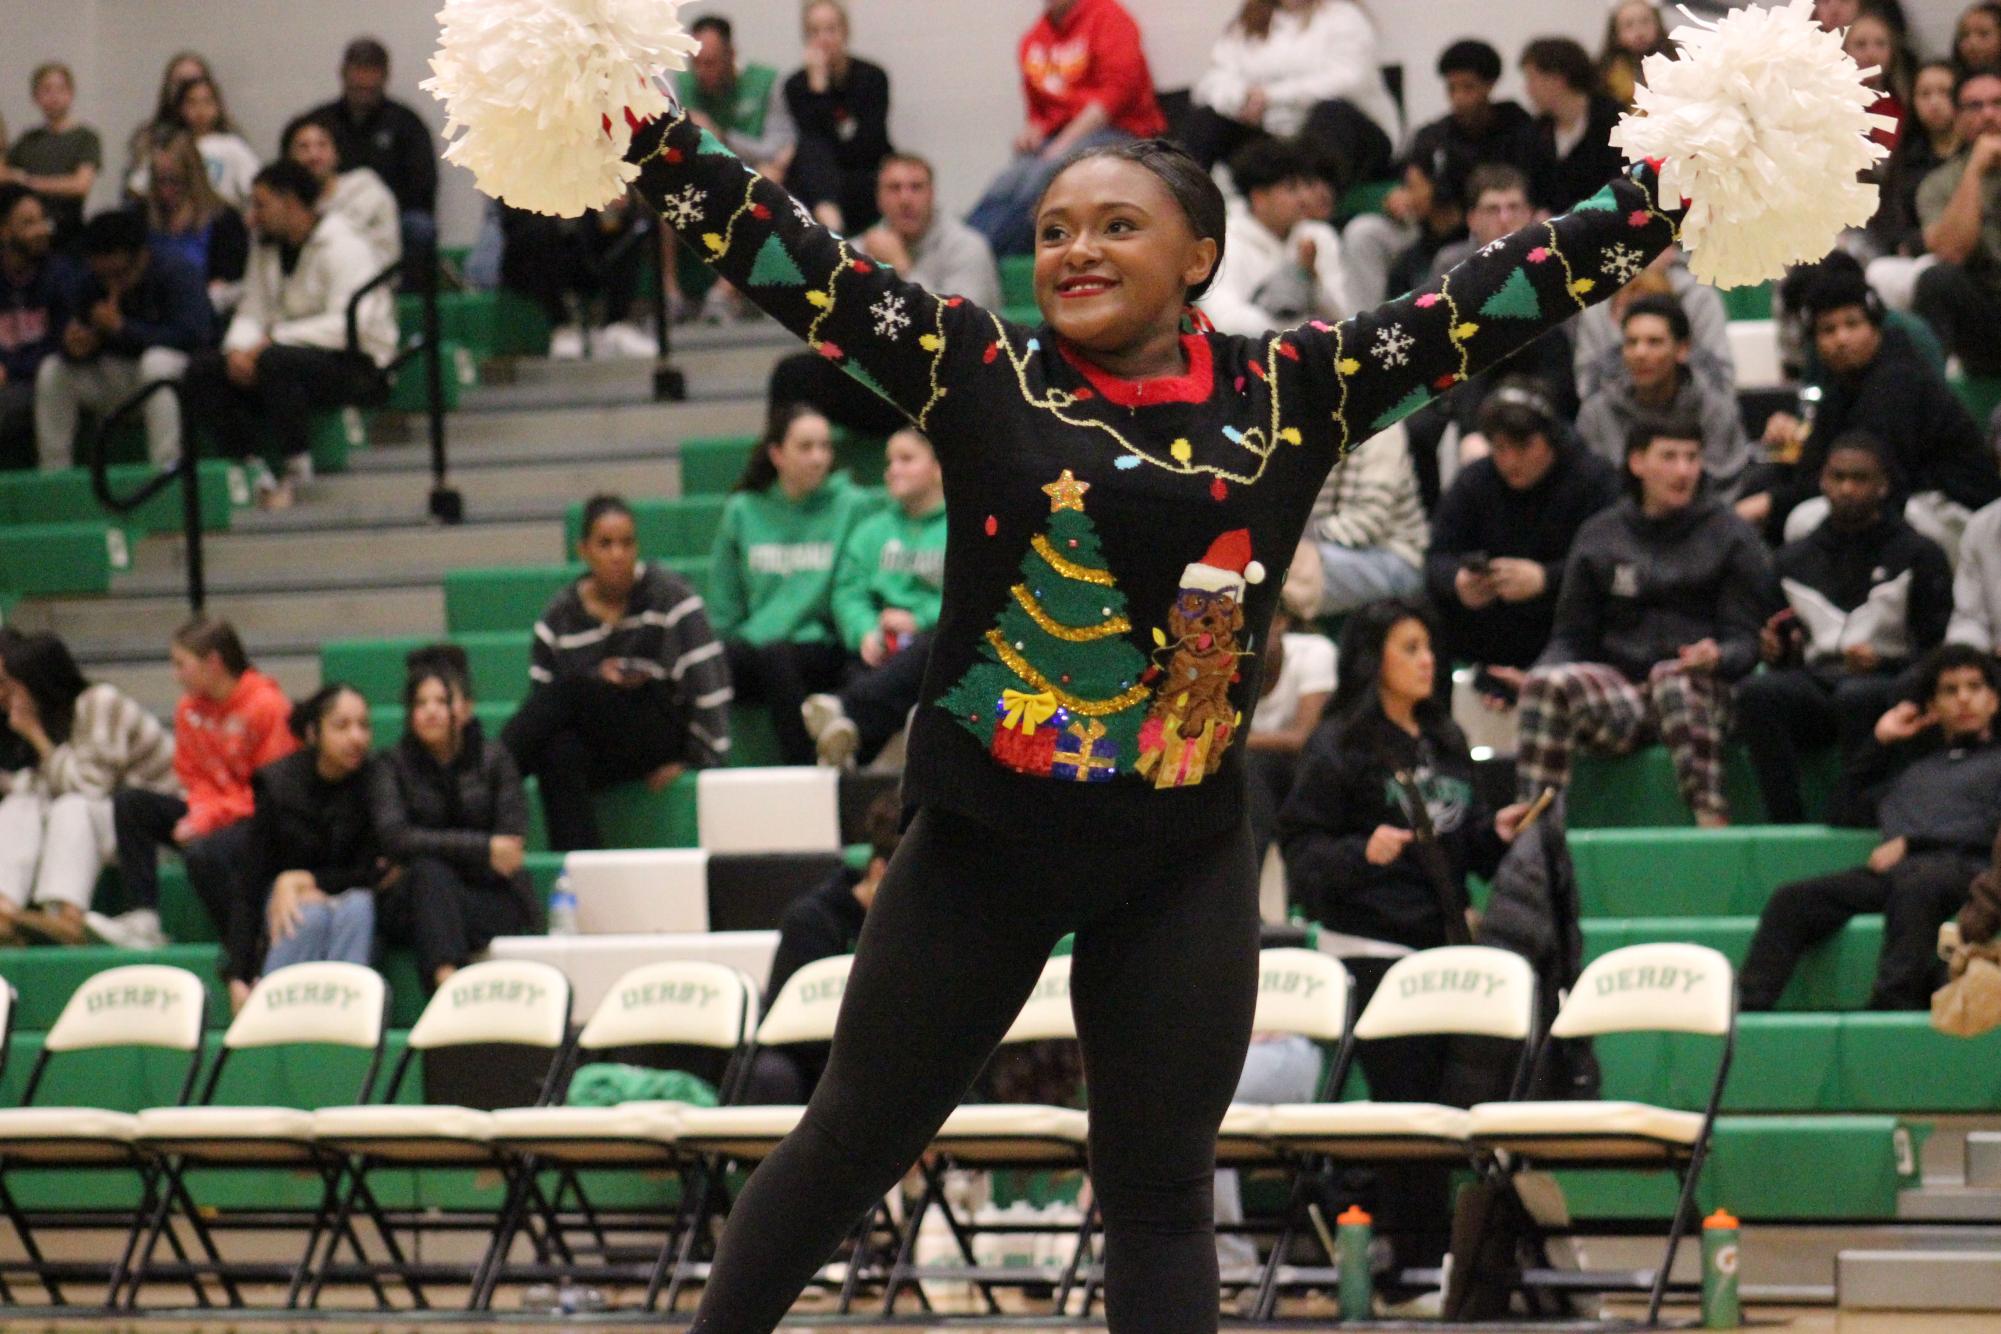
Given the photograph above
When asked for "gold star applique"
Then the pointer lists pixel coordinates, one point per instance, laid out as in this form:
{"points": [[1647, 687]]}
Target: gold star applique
{"points": [[1066, 493]]}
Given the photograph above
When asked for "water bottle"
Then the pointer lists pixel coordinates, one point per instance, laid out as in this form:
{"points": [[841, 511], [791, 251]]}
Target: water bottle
{"points": [[1353, 1231], [563, 909], [1720, 1308]]}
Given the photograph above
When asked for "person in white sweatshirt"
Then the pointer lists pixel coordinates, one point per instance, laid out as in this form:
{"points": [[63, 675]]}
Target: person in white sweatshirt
{"points": [[1299, 69], [358, 195], [1280, 267], [1976, 587], [288, 353]]}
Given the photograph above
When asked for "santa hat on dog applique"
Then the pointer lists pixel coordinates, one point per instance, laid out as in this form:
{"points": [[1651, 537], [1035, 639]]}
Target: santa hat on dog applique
{"points": [[1226, 567]]}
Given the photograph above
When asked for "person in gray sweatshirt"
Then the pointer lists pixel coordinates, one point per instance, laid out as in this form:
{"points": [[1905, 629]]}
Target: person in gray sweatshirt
{"points": [[1653, 376], [1938, 818], [1662, 600]]}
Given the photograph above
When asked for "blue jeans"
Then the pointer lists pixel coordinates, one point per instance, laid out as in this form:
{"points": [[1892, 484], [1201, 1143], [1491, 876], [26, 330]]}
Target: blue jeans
{"points": [[1357, 576], [1005, 215], [342, 929]]}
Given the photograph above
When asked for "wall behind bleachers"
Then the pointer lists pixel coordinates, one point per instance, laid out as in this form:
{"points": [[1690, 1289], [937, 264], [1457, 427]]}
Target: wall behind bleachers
{"points": [[957, 99]]}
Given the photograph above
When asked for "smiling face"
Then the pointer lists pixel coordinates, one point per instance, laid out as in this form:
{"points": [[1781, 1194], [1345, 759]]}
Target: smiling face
{"points": [[1653, 356], [1115, 255]]}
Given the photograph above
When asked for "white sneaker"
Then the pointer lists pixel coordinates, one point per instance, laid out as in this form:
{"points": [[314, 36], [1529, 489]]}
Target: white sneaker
{"points": [[819, 712], [138, 929], [299, 470], [835, 736]]}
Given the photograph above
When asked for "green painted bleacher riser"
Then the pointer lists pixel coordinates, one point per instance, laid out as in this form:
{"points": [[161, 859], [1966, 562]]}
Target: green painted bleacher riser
{"points": [[336, 433], [67, 497], [1835, 977], [513, 597], [1771, 1169], [1638, 790], [1749, 303], [1704, 872], [59, 559], [1981, 394], [711, 465], [668, 529], [1017, 275], [499, 662], [409, 390]]}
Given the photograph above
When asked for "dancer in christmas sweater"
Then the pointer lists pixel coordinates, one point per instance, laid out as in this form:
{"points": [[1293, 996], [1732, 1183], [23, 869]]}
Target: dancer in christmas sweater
{"points": [[1115, 486]]}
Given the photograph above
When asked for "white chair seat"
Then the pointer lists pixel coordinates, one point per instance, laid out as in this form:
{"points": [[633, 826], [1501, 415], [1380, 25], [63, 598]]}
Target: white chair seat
{"points": [[1013, 1133], [66, 1134], [225, 1134], [740, 1132], [1245, 1135], [633, 1132], [1370, 1129], [417, 1134], [1548, 1131]]}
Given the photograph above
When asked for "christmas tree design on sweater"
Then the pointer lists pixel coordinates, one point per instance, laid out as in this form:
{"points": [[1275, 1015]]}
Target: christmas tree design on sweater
{"points": [[1062, 693]]}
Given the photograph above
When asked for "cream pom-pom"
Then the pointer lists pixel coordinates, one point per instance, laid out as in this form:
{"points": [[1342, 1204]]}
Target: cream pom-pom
{"points": [[1254, 573], [537, 93], [1762, 124]]}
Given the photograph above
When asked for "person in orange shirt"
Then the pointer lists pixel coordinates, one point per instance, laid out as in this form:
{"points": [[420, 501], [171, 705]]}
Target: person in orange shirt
{"points": [[231, 721], [1085, 76]]}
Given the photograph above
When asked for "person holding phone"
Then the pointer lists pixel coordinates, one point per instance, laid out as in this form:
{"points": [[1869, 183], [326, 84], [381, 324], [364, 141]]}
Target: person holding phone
{"points": [[629, 682]]}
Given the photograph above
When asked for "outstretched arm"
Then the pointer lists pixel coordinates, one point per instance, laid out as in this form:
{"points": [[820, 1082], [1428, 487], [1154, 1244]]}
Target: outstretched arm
{"points": [[891, 335], [1377, 368]]}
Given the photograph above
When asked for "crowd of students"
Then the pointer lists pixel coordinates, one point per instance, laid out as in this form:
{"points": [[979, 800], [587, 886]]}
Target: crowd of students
{"points": [[218, 267]]}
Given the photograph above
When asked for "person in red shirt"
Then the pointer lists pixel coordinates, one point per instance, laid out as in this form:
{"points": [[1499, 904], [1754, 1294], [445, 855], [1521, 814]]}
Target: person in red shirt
{"points": [[231, 721], [1085, 75]]}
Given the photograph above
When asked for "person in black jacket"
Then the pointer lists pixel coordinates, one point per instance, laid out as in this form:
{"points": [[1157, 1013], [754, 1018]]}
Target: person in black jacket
{"points": [[840, 104], [1574, 156], [1876, 380], [449, 809], [1938, 818], [1379, 835], [1865, 595], [1505, 528], [372, 130], [314, 862], [1660, 610], [139, 318], [820, 925]]}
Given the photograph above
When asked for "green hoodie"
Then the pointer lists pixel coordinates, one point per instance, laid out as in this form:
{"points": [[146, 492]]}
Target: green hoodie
{"points": [[891, 560], [771, 576]]}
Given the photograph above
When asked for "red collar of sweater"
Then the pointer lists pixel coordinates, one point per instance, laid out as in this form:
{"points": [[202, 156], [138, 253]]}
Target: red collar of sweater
{"points": [[1192, 386]]}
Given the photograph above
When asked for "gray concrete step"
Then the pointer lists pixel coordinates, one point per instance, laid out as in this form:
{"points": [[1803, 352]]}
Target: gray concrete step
{"points": [[712, 372], [152, 683], [129, 628], [1919, 1280], [1983, 1159], [347, 557], [547, 432], [1950, 1202], [491, 489]]}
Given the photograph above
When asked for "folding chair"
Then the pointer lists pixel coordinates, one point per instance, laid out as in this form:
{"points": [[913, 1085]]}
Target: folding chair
{"points": [[804, 1011], [147, 1006], [311, 1005], [1463, 990], [512, 1002], [1663, 988], [1301, 993], [1001, 1136], [705, 1006]]}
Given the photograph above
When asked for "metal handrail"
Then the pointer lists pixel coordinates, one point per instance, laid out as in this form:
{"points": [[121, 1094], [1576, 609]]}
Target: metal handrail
{"points": [[446, 504], [187, 468]]}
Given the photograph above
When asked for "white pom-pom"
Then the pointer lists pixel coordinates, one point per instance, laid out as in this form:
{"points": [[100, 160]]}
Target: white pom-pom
{"points": [[536, 93], [1254, 572], [1763, 123]]}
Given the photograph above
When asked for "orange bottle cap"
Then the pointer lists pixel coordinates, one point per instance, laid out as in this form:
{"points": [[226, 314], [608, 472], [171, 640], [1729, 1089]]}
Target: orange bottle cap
{"points": [[1721, 1218], [1353, 1216]]}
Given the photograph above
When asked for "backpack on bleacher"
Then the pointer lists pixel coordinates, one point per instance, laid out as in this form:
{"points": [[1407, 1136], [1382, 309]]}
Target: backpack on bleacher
{"points": [[1533, 911]]}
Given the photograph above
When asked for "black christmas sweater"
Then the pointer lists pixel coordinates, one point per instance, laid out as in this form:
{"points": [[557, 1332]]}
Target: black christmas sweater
{"points": [[1096, 662]]}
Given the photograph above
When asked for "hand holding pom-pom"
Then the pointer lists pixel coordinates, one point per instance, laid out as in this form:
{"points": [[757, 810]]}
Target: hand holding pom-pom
{"points": [[1763, 124], [541, 96]]}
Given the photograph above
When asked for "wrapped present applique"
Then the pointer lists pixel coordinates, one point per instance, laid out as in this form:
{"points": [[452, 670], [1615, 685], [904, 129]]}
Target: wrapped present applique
{"points": [[1084, 755]]}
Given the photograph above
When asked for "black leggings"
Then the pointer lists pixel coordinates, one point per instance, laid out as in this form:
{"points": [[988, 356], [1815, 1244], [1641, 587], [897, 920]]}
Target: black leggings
{"points": [[1164, 985]]}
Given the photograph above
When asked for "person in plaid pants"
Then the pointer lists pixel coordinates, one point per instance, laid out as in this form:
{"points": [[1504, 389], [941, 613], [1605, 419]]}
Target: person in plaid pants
{"points": [[1659, 613]]}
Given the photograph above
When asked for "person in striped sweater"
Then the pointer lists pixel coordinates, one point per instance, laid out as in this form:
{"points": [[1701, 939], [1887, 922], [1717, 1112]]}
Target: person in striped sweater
{"points": [[629, 681], [56, 832]]}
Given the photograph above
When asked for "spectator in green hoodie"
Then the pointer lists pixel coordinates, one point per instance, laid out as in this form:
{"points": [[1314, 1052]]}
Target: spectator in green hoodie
{"points": [[888, 583], [771, 576]]}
